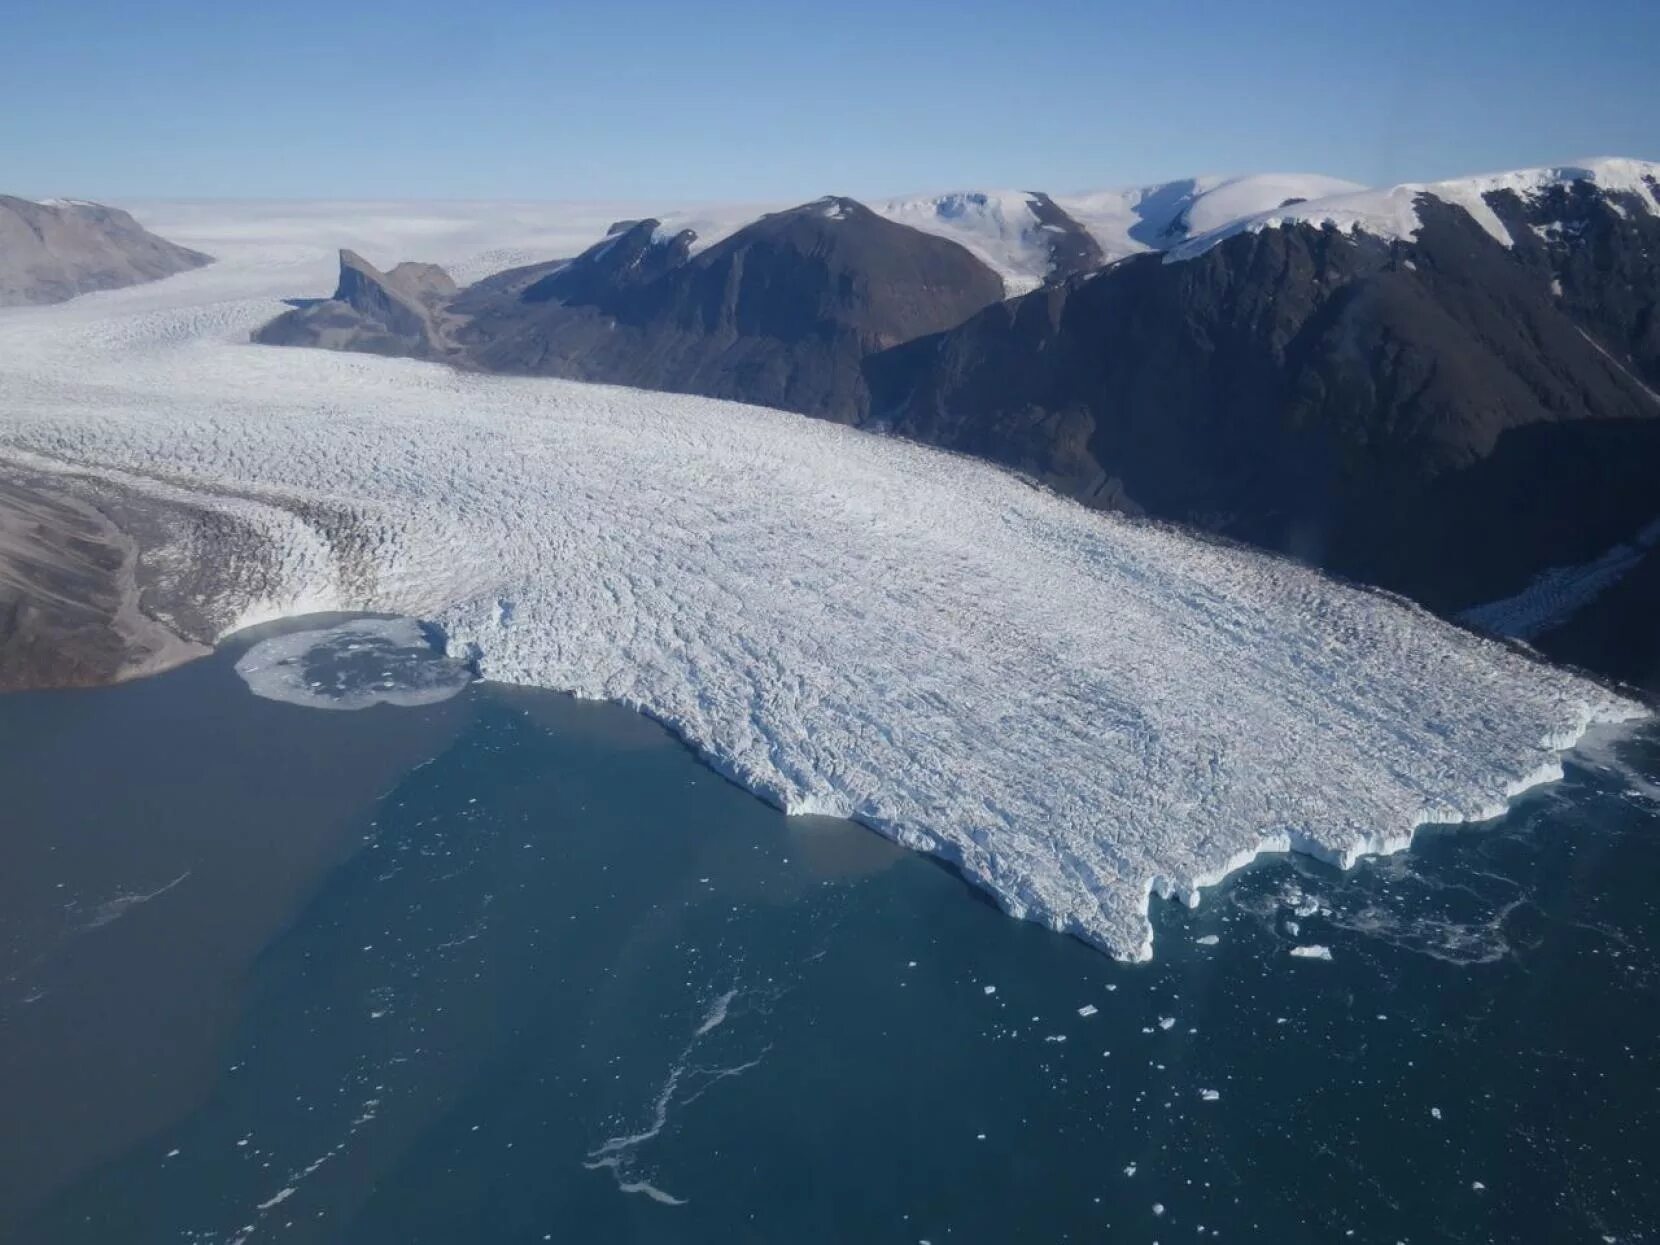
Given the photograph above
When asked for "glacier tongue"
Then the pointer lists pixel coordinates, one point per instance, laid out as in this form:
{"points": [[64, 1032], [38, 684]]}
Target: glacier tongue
{"points": [[1077, 710]]}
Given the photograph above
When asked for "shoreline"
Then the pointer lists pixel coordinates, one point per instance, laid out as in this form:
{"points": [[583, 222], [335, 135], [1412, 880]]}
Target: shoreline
{"points": [[81, 544], [72, 601]]}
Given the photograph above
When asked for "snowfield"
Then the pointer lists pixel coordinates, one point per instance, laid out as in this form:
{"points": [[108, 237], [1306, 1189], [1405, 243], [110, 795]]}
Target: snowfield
{"points": [[1146, 218], [1001, 229], [1077, 710]]}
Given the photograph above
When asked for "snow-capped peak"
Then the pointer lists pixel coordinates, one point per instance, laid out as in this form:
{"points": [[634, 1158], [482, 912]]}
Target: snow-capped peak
{"points": [[1015, 232], [1391, 212]]}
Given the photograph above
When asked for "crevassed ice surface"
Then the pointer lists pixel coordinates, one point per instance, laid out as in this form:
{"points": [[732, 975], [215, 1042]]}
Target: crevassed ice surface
{"points": [[1077, 710]]}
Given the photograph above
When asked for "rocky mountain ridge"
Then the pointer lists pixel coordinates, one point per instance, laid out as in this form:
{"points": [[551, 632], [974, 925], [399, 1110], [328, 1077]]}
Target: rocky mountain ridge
{"points": [[54, 250], [1445, 390]]}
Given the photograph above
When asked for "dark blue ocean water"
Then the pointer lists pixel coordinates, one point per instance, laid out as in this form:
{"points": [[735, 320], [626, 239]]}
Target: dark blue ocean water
{"points": [[517, 968]]}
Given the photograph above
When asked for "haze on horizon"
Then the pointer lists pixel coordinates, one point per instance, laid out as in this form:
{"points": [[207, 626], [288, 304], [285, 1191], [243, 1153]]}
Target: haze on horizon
{"points": [[508, 99]]}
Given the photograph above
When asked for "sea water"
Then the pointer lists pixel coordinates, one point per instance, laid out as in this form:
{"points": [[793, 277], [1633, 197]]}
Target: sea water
{"points": [[509, 967]]}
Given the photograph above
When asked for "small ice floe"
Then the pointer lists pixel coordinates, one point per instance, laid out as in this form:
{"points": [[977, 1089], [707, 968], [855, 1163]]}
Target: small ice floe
{"points": [[1158, 1208], [1055, 1037], [1477, 1186], [1129, 1169], [1087, 1010], [297, 667], [1208, 940], [277, 1198], [1209, 1095], [1292, 928], [1111, 988], [1167, 1022], [991, 989], [1312, 951], [173, 1154], [1435, 1112]]}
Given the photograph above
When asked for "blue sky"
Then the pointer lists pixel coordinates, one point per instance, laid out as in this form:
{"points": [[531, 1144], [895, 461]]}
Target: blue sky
{"points": [[745, 100]]}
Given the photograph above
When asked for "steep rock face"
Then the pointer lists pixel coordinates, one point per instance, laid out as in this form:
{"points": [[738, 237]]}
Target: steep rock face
{"points": [[633, 254], [1425, 415], [1072, 248], [1601, 249], [53, 251], [394, 313], [781, 313]]}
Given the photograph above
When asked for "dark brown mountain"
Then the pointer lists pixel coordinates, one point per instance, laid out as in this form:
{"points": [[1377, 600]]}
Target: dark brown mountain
{"points": [[782, 313], [1444, 417]]}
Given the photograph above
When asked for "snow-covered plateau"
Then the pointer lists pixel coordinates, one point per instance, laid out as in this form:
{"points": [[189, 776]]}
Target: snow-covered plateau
{"points": [[1391, 212], [1077, 710]]}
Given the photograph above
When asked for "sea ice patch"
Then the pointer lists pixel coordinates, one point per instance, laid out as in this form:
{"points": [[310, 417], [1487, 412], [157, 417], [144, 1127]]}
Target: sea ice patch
{"points": [[1311, 951], [370, 661]]}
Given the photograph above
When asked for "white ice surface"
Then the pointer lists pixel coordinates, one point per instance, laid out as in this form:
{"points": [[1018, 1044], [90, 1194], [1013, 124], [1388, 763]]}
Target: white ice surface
{"points": [[998, 227], [1001, 230], [1077, 709], [471, 240], [1143, 218], [1558, 594]]}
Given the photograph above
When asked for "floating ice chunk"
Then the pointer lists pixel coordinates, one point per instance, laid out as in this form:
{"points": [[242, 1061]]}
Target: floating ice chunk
{"points": [[286, 667], [1167, 1022], [1088, 1009], [991, 990], [1435, 1112], [1209, 1095], [1312, 951], [1158, 1208], [1129, 1169], [1207, 940]]}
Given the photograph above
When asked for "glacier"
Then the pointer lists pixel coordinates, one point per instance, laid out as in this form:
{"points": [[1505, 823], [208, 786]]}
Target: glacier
{"points": [[1078, 711]]}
